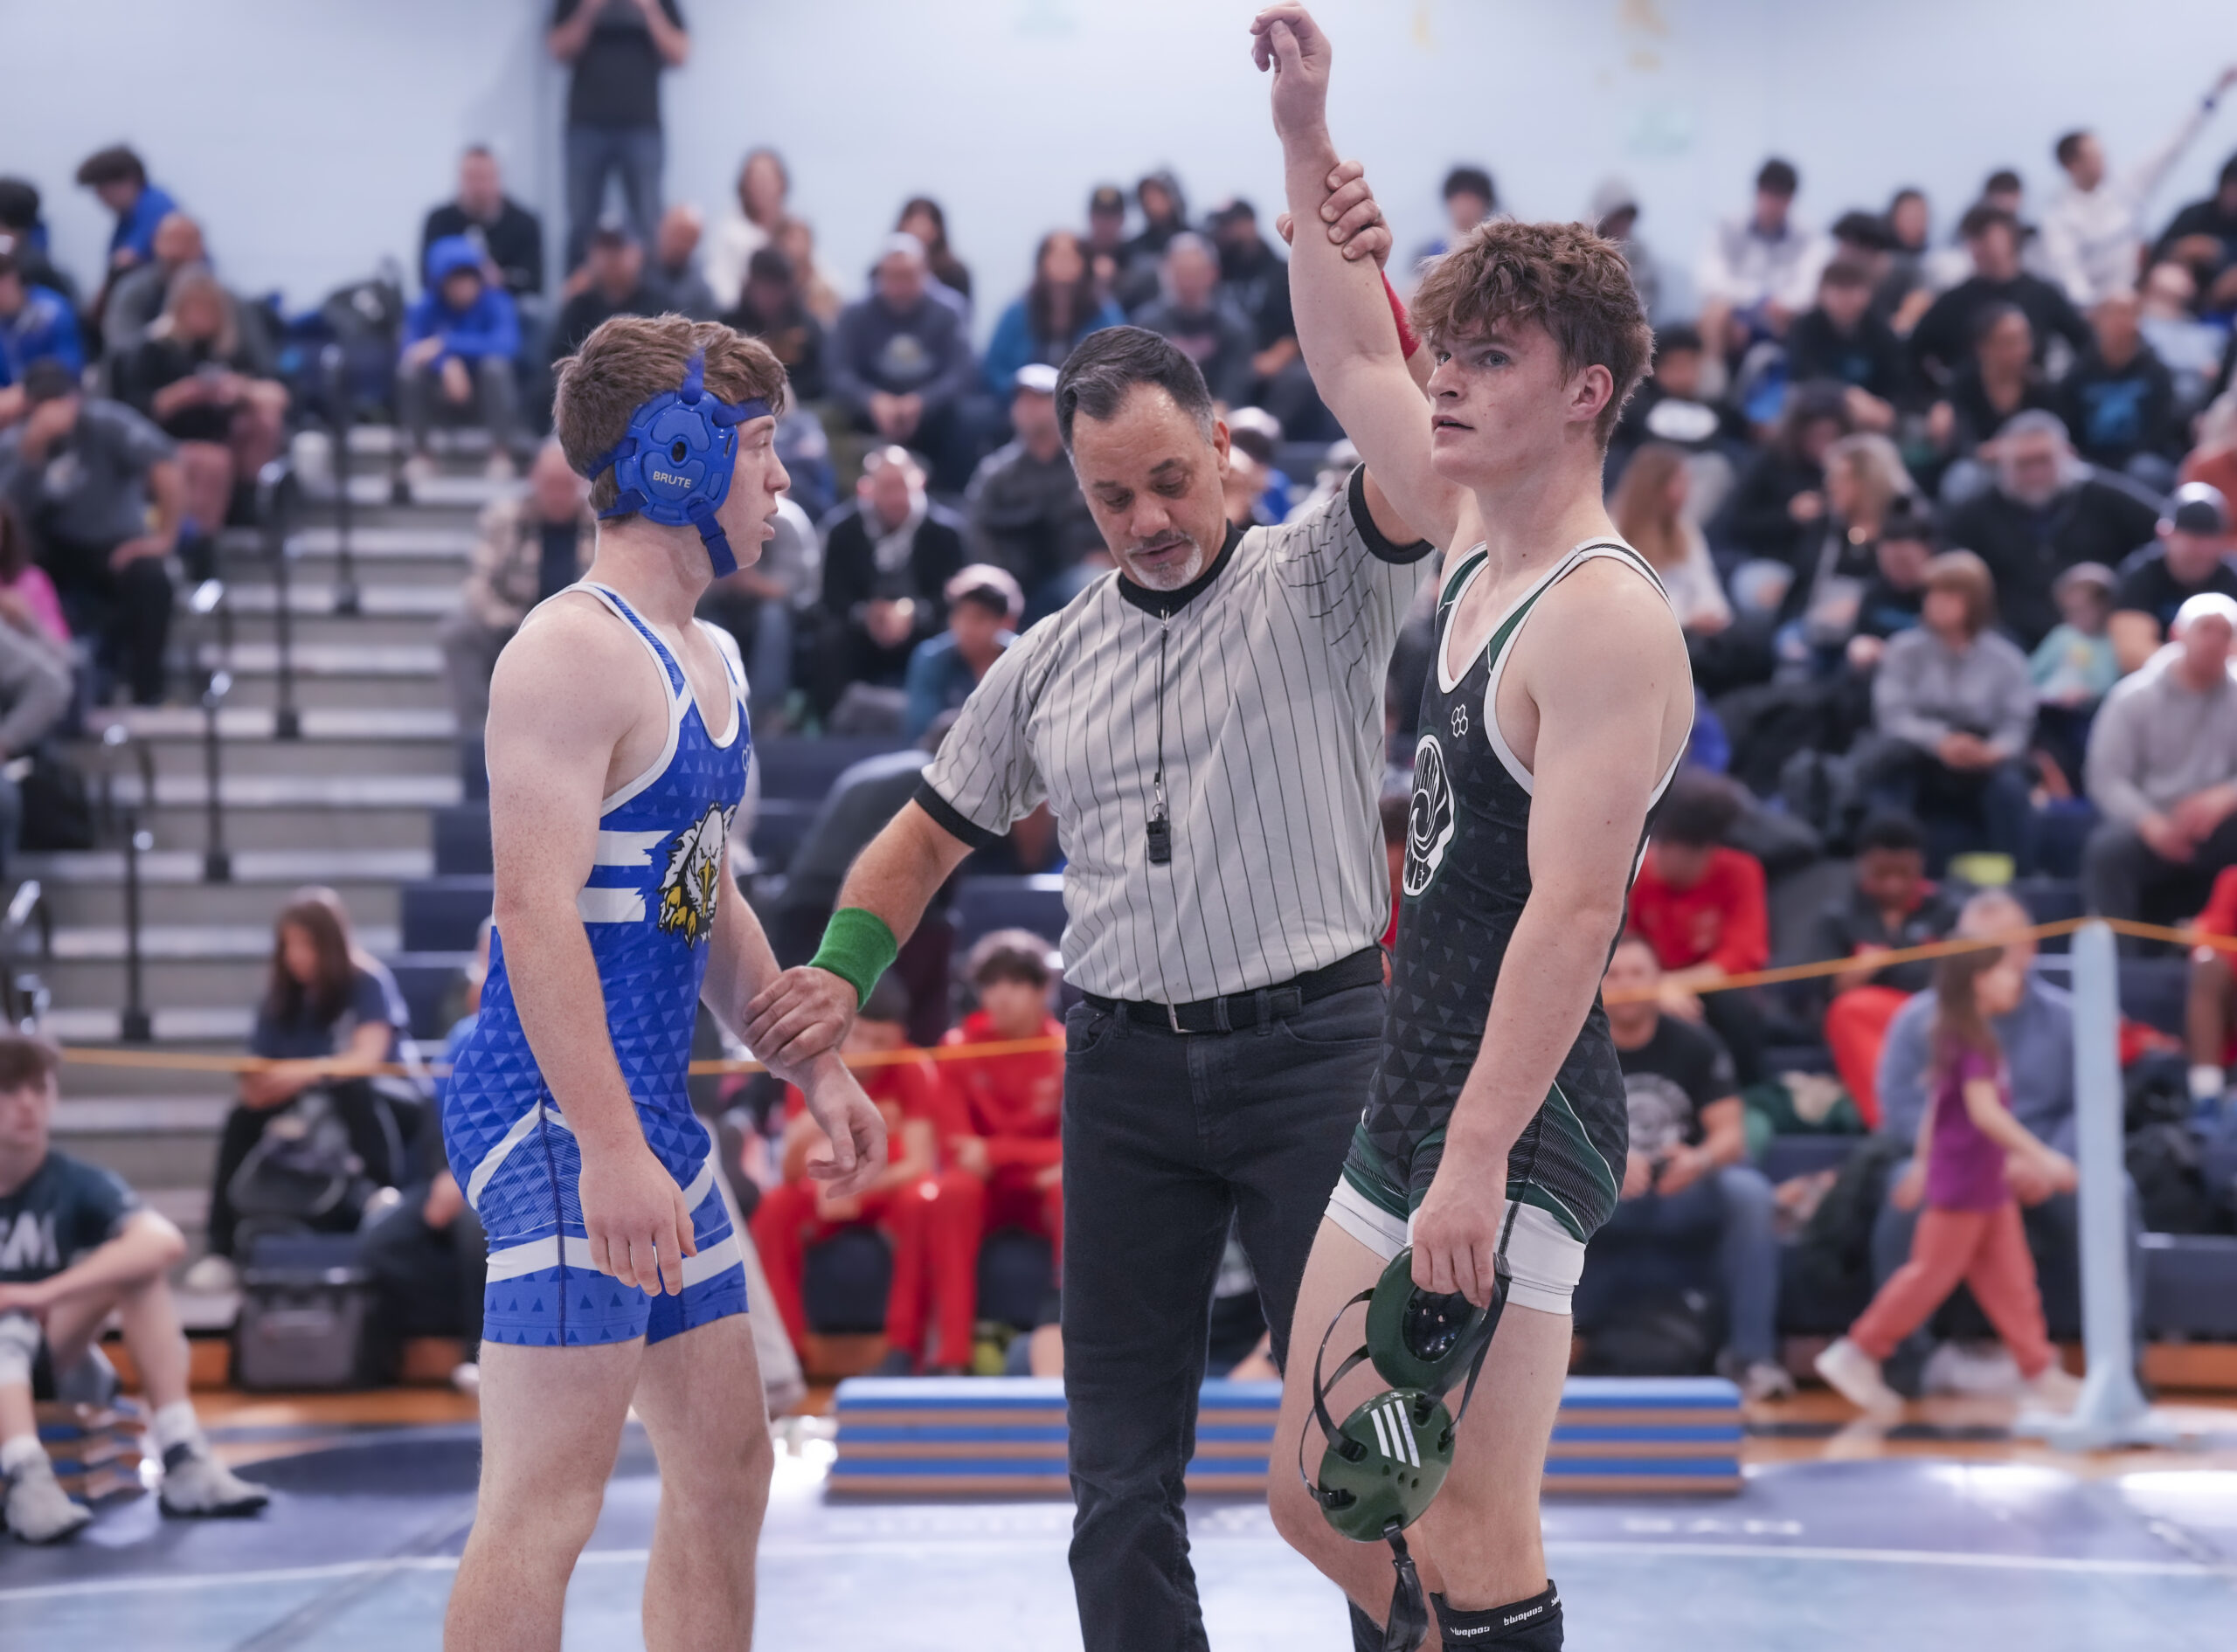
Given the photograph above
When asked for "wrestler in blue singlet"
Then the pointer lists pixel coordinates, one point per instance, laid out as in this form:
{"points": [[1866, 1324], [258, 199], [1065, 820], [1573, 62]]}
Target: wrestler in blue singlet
{"points": [[649, 909]]}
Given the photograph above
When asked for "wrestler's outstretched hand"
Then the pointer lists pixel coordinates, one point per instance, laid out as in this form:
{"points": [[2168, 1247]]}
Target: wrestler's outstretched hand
{"points": [[853, 1129], [1286, 39]]}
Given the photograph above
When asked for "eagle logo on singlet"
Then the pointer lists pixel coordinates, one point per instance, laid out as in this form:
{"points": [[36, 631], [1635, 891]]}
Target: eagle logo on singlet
{"points": [[1429, 820], [689, 885]]}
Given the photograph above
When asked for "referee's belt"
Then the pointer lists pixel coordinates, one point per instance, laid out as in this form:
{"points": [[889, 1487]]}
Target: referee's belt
{"points": [[1240, 1010]]}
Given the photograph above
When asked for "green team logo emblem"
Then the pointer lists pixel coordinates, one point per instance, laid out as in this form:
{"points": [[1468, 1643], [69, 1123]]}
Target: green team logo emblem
{"points": [[1430, 821]]}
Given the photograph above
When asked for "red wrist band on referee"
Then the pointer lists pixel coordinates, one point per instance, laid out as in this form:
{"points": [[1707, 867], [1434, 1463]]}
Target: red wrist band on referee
{"points": [[1408, 341]]}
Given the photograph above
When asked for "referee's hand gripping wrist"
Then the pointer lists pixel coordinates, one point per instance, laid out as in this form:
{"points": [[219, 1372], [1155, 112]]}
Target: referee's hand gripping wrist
{"points": [[803, 1014]]}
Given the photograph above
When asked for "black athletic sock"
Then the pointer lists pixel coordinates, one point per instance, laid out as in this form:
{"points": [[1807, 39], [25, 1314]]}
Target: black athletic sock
{"points": [[1523, 1626], [1367, 1635]]}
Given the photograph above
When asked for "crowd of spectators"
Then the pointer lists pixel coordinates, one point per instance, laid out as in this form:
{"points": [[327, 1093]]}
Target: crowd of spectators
{"points": [[1946, 520]]}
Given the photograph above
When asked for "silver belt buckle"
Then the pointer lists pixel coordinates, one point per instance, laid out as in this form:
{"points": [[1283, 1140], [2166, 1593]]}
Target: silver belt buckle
{"points": [[1172, 1021]]}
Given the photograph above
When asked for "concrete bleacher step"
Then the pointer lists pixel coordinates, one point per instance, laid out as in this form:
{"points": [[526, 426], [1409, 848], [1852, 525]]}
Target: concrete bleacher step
{"points": [[386, 612], [291, 810], [396, 675], [166, 1142], [212, 966], [335, 740], [86, 887], [913, 1437], [416, 552]]}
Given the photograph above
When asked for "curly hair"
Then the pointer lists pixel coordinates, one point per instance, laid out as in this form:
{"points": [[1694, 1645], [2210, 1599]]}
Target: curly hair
{"points": [[1562, 277]]}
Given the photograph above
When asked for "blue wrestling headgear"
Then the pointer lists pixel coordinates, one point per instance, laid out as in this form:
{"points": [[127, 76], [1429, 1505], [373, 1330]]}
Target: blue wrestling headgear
{"points": [[674, 465]]}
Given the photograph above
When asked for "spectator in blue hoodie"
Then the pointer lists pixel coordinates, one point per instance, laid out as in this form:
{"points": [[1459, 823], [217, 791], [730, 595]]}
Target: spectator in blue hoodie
{"points": [[901, 365], [984, 604], [1060, 308], [461, 336], [36, 324], [119, 177]]}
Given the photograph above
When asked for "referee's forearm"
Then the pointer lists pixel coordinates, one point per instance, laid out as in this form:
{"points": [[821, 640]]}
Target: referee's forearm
{"points": [[900, 870]]}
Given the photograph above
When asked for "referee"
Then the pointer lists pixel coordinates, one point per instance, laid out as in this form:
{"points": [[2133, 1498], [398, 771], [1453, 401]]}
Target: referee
{"points": [[1206, 728]]}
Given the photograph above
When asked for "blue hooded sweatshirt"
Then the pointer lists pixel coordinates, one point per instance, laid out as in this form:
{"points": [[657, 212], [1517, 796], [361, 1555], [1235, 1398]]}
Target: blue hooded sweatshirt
{"points": [[46, 326], [489, 326]]}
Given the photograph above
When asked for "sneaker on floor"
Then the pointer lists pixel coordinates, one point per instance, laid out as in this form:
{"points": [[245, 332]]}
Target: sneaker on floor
{"points": [[197, 1485], [1854, 1375], [212, 1277], [1764, 1379], [899, 1362], [465, 1376], [2055, 1389], [1976, 1371], [39, 1510]]}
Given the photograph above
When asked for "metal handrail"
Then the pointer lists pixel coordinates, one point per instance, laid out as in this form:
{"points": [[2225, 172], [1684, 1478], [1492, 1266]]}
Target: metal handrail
{"points": [[207, 603], [216, 862], [135, 1025], [25, 991], [276, 493], [333, 370]]}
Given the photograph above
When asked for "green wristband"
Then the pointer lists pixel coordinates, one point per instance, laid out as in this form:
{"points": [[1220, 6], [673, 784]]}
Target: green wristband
{"points": [[857, 948]]}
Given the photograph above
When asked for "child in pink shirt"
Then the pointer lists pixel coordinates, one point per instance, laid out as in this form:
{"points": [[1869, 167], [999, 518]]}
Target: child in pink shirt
{"points": [[1969, 1231]]}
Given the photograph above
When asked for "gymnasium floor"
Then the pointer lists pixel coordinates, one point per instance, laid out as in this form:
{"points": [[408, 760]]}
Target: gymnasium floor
{"points": [[1949, 1533]]}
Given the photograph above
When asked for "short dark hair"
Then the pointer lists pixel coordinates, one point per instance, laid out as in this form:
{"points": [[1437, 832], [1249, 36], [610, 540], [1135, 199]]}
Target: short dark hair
{"points": [[1867, 229], [2069, 145], [1698, 809], [1981, 217], [888, 1002], [1010, 955], [770, 264], [1778, 177], [1908, 192], [27, 1060], [1992, 315], [2003, 181], [49, 379], [1911, 520], [19, 204], [1107, 366], [1470, 180], [115, 164], [1678, 335], [1843, 271], [481, 149], [1891, 834]]}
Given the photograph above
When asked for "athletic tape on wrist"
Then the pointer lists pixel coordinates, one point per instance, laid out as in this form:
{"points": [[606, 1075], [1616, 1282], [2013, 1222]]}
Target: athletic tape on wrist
{"points": [[857, 948]]}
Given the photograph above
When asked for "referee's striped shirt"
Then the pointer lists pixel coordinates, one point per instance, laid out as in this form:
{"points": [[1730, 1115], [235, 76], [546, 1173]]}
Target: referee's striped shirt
{"points": [[1274, 672]]}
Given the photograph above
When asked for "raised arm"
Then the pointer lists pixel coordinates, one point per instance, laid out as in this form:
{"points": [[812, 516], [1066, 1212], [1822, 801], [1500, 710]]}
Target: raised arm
{"points": [[555, 725], [1617, 669], [1343, 317]]}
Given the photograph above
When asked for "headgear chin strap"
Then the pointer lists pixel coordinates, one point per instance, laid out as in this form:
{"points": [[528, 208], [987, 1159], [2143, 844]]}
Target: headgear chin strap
{"points": [[672, 467], [1387, 1459]]}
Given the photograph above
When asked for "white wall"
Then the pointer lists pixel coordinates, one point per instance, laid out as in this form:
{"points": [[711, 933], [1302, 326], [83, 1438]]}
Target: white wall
{"points": [[313, 134]]}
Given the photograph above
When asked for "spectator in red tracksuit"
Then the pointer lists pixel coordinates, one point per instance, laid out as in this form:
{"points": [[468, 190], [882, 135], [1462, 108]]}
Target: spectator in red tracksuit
{"points": [[798, 1211], [1701, 907], [1004, 1157]]}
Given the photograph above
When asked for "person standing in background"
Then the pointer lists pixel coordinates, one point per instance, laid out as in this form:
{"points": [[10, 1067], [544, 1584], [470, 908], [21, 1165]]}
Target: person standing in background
{"points": [[617, 49]]}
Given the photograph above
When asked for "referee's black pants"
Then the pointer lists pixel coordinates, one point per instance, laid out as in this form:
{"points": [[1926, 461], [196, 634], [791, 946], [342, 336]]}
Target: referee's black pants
{"points": [[1166, 1135]]}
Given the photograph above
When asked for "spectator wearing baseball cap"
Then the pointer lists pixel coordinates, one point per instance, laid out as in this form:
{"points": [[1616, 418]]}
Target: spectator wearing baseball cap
{"points": [[1024, 507], [984, 605], [2189, 558]]}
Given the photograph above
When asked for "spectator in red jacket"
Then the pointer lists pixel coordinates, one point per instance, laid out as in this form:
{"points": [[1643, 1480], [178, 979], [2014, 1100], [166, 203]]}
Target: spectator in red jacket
{"points": [[2213, 993], [1701, 907], [1004, 1153], [798, 1211]]}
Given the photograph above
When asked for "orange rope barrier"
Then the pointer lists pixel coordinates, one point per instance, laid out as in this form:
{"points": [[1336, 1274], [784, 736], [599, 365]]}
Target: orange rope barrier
{"points": [[190, 1061]]}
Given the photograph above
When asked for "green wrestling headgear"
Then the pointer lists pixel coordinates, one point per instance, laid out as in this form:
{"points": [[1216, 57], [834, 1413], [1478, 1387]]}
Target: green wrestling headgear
{"points": [[1386, 1460]]}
